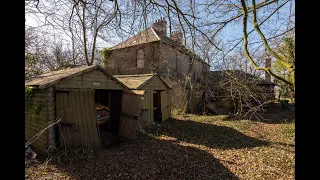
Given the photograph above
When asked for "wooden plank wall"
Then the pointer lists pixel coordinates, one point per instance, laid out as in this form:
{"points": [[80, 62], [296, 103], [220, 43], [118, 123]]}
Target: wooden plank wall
{"points": [[131, 108], [36, 118], [51, 118], [131, 104], [79, 125], [165, 105], [155, 84], [86, 81], [147, 107], [128, 126]]}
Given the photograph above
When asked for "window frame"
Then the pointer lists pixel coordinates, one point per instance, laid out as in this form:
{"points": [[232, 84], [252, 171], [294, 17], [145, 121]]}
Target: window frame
{"points": [[137, 56]]}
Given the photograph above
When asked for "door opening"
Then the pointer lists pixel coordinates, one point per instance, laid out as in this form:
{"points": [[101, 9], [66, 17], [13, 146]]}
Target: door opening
{"points": [[108, 111], [157, 106]]}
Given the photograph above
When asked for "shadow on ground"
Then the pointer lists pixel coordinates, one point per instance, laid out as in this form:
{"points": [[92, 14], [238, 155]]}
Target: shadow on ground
{"points": [[210, 135], [148, 158], [151, 157], [273, 114]]}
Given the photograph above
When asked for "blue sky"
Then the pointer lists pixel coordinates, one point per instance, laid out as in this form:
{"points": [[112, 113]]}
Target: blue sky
{"points": [[230, 32]]}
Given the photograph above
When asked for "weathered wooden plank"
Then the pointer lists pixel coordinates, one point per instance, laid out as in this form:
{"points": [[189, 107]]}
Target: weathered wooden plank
{"points": [[67, 105], [90, 81], [76, 119], [128, 127], [165, 105], [81, 113], [86, 80], [60, 108], [146, 106], [44, 104], [86, 136], [117, 87], [40, 125], [150, 105], [40, 140], [36, 119], [82, 124], [81, 116], [97, 72], [39, 146], [36, 114], [155, 84], [96, 76], [92, 119], [41, 93], [41, 99], [131, 104], [29, 135], [35, 126], [35, 130], [88, 120], [51, 119], [43, 110]]}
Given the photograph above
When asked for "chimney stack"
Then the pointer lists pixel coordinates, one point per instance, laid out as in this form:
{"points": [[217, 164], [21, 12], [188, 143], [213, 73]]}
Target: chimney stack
{"points": [[160, 26], [267, 76], [177, 36]]}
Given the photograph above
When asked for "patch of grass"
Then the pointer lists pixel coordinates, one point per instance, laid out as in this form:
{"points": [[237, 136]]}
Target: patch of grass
{"points": [[288, 130]]}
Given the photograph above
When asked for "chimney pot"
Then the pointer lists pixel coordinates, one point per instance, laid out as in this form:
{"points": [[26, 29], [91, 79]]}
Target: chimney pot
{"points": [[267, 65], [177, 36], [160, 25]]}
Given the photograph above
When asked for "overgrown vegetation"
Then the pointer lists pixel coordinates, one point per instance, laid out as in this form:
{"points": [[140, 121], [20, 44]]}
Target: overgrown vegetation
{"points": [[29, 92], [286, 51]]}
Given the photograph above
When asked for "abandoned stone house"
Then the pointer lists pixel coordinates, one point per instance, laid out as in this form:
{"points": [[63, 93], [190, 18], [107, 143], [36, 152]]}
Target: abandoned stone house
{"points": [[153, 51]]}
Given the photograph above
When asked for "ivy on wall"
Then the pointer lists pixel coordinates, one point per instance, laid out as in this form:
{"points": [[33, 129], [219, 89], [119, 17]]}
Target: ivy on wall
{"points": [[29, 93]]}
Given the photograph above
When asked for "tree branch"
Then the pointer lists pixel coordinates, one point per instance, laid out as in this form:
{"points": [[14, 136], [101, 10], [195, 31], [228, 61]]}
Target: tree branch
{"points": [[245, 40]]}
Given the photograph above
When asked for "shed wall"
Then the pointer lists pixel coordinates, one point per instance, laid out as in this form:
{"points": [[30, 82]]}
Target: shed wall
{"points": [[155, 84], [148, 116], [87, 80], [36, 118]]}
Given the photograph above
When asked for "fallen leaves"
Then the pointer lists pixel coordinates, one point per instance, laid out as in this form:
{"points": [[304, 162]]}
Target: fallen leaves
{"points": [[198, 148]]}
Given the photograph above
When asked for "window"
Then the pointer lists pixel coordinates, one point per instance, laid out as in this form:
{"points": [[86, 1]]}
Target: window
{"points": [[140, 58]]}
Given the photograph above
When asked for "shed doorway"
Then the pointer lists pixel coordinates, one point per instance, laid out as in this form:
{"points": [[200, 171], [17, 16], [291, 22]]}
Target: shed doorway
{"points": [[157, 112], [109, 128]]}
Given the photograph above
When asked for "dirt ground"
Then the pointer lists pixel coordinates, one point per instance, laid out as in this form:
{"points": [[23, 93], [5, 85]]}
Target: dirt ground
{"points": [[186, 147]]}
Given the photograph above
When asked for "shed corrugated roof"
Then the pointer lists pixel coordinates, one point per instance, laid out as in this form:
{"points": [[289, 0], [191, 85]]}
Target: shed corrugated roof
{"points": [[51, 78]]}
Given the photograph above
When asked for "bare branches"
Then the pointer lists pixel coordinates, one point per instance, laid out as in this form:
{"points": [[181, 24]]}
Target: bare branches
{"points": [[35, 137], [245, 40]]}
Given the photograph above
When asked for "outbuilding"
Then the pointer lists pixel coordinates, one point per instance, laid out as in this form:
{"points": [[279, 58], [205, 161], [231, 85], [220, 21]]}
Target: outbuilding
{"points": [[156, 105], [61, 109]]}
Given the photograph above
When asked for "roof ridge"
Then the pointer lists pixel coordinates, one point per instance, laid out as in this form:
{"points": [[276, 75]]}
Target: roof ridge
{"points": [[132, 75]]}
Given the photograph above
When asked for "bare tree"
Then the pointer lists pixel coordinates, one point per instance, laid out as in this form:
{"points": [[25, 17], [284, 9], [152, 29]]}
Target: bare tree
{"points": [[289, 66], [204, 24]]}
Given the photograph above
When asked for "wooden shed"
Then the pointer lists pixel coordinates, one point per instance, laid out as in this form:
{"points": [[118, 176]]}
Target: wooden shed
{"points": [[71, 95], [156, 101]]}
